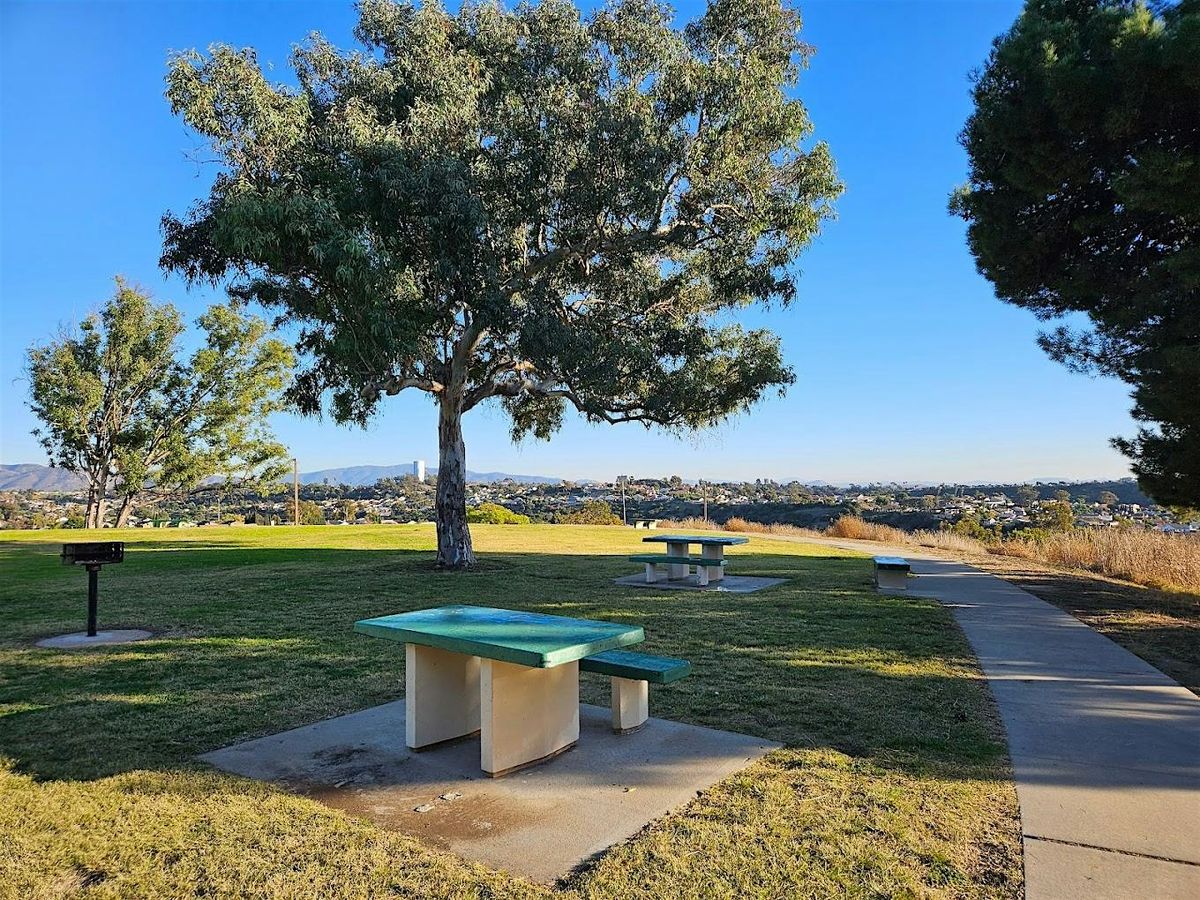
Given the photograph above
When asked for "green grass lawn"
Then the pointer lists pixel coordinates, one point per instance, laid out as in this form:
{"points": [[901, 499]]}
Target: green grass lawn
{"points": [[893, 781]]}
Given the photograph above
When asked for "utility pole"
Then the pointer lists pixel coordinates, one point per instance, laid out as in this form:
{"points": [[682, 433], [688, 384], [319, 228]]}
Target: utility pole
{"points": [[621, 479], [295, 491], [704, 493]]}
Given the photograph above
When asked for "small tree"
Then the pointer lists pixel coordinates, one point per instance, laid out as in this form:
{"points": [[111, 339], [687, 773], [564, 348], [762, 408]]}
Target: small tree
{"points": [[591, 512], [526, 207], [495, 514], [1084, 159], [311, 513], [1027, 495], [118, 406], [1108, 498]]}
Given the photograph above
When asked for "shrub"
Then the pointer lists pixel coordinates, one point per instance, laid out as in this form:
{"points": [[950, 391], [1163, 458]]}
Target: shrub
{"points": [[592, 512], [495, 514]]}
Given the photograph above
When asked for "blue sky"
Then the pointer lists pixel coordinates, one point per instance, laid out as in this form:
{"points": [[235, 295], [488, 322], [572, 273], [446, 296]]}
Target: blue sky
{"points": [[908, 367]]}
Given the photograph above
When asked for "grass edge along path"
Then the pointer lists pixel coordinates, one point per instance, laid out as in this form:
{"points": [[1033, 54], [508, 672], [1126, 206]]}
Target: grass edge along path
{"points": [[893, 782]]}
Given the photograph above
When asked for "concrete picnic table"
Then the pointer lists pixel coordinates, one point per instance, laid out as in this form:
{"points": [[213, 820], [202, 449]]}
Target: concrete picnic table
{"points": [[711, 547], [511, 676]]}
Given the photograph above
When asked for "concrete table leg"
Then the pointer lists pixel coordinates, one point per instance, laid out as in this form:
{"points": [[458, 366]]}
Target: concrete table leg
{"points": [[526, 714], [716, 552], [651, 577], [675, 571], [441, 695], [891, 579], [630, 704]]}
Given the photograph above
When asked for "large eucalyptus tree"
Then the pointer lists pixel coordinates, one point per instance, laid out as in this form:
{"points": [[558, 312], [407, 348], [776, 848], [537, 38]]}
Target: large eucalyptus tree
{"points": [[528, 206]]}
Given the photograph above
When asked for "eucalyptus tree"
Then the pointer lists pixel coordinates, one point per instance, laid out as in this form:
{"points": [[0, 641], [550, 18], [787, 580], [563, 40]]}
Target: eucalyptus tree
{"points": [[119, 404], [1084, 151], [532, 207]]}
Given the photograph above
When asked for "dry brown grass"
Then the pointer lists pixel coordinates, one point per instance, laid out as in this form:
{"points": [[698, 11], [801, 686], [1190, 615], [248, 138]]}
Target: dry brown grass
{"points": [[858, 529], [745, 525], [1165, 561]]}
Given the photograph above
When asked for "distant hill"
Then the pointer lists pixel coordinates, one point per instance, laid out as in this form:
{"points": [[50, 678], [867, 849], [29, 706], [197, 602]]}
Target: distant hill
{"points": [[361, 476], [32, 477]]}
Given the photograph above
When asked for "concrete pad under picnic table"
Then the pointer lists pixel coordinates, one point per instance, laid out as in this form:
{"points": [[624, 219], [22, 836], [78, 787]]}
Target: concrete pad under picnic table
{"points": [[541, 822], [730, 584]]}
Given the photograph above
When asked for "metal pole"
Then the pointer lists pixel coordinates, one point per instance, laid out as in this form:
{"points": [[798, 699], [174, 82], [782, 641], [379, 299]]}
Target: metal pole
{"points": [[295, 491], [93, 597], [704, 490]]}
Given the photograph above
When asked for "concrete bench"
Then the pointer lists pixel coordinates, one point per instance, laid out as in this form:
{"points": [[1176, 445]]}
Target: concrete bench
{"points": [[653, 560], [645, 524], [891, 573], [631, 675]]}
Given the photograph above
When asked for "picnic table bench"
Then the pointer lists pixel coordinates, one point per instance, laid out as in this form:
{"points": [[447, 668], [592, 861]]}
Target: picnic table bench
{"points": [[891, 573], [513, 677], [710, 565], [653, 560], [645, 523]]}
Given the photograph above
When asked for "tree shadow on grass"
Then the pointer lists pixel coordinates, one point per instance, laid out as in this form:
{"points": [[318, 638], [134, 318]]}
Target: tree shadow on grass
{"points": [[259, 641]]}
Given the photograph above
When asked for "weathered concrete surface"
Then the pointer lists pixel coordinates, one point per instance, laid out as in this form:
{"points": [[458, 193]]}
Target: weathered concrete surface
{"points": [[80, 640], [540, 822], [730, 584], [1105, 748]]}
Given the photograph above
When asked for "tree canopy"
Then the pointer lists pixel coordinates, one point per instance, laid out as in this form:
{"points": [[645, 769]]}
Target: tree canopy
{"points": [[118, 404], [528, 206], [1084, 198]]}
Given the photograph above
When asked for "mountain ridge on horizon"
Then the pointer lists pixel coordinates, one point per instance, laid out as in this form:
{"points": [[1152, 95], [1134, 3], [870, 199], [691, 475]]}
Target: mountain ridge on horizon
{"points": [[38, 477]]}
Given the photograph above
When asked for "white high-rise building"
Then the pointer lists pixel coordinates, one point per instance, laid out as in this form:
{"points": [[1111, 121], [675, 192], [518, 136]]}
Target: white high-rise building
{"points": [[419, 469]]}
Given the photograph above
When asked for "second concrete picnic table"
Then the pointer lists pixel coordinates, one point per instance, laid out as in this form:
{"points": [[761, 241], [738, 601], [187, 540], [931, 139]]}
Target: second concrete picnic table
{"points": [[711, 547], [512, 676]]}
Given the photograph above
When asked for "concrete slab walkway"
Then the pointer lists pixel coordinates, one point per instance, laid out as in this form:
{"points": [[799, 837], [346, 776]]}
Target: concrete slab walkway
{"points": [[540, 822], [1105, 748]]}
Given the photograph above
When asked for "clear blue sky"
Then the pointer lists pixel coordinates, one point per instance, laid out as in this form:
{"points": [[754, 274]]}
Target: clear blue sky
{"points": [[908, 367]]}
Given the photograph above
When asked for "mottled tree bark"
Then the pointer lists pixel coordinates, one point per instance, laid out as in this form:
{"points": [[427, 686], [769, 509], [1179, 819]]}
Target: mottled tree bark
{"points": [[453, 536], [124, 510], [97, 502]]}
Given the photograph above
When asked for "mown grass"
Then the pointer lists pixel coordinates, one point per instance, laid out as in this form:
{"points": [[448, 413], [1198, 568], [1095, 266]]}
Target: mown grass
{"points": [[893, 781]]}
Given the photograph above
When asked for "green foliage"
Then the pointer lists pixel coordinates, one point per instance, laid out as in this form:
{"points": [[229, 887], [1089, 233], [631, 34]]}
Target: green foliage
{"points": [[311, 513], [1083, 198], [1034, 535], [970, 526], [495, 514], [117, 404], [1054, 515], [591, 512], [527, 206], [576, 230]]}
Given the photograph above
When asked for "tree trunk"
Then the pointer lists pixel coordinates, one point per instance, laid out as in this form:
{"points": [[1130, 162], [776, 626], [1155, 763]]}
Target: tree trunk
{"points": [[454, 538], [97, 504], [124, 510]]}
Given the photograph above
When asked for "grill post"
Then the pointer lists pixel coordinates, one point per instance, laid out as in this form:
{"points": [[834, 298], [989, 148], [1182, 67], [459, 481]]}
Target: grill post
{"points": [[93, 597]]}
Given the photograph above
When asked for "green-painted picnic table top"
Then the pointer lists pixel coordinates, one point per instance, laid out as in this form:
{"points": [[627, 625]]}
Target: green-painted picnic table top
{"points": [[697, 539], [524, 638]]}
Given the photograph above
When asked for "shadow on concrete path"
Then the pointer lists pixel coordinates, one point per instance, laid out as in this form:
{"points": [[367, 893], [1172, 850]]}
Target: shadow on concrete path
{"points": [[1105, 748]]}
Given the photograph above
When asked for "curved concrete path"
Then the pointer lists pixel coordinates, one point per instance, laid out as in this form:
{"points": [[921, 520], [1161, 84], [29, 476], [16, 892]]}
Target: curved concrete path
{"points": [[1105, 748]]}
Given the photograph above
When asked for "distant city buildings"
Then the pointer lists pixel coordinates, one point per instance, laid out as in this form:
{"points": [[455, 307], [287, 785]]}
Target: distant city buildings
{"points": [[418, 469]]}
